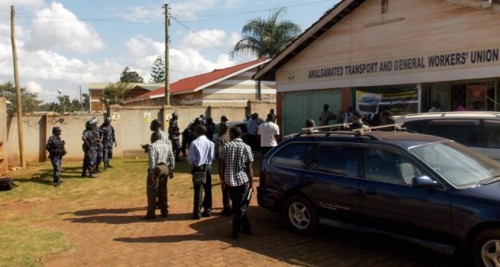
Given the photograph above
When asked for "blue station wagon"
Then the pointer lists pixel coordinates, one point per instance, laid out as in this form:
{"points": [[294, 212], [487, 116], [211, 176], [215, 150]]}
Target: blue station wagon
{"points": [[420, 188]]}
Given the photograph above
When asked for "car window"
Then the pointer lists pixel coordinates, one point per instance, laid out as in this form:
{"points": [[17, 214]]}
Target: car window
{"points": [[417, 126], [336, 159], [293, 155], [389, 166], [459, 165], [492, 130], [466, 132]]}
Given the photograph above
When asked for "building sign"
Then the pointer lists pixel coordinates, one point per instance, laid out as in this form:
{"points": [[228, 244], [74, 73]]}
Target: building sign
{"points": [[398, 103], [412, 64]]}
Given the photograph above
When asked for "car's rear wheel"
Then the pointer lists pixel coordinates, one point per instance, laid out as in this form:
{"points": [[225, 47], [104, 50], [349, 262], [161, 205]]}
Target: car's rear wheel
{"points": [[301, 215], [486, 249]]}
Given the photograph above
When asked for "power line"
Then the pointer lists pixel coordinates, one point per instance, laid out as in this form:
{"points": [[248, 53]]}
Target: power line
{"points": [[218, 47], [228, 15], [158, 20]]}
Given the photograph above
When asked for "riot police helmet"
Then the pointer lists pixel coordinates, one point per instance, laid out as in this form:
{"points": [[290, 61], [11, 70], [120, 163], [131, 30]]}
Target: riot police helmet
{"points": [[89, 125], [107, 119], [175, 115], [56, 129]]}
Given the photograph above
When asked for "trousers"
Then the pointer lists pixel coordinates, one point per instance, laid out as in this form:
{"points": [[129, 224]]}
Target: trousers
{"points": [[56, 165], [200, 199], [157, 189], [240, 219]]}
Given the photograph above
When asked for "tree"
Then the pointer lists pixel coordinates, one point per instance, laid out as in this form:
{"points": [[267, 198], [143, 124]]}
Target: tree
{"points": [[64, 103], [158, 71], [73, 105], [30, 101], [86, 102], [128, 76], [266, 38], [115, 93]]}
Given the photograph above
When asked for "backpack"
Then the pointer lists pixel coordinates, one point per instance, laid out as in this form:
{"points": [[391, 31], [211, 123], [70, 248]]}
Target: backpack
{"points": [[6, 183]]}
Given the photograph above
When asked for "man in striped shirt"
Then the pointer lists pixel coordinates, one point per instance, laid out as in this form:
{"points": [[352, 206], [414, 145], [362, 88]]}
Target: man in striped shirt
{"points": [[236, 161], [161, 165]]}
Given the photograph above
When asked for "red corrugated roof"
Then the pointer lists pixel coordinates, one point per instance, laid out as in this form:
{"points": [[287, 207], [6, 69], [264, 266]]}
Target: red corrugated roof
{"points": [[198, 82]]}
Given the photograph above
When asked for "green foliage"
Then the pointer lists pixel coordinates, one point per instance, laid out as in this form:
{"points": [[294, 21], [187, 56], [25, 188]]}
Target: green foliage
{"points": [[128, 76], [158, 71], [266, 38], [115, 93], [27, 236], [22, 245], [67, 105], [30, 101]]}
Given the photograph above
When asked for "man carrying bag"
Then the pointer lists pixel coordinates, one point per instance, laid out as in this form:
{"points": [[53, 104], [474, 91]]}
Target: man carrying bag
{"points": [[200, 156]]}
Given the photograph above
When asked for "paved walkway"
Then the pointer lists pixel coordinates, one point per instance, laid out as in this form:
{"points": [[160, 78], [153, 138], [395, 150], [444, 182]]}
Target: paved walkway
{"points": [[115, 236]]}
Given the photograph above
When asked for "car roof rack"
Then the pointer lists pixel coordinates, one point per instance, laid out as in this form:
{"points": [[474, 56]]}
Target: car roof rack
{"points": [[344, 129]]}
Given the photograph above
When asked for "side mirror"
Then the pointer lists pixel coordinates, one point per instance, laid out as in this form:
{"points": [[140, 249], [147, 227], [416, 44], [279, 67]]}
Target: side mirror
{"points": [[424, 182]]}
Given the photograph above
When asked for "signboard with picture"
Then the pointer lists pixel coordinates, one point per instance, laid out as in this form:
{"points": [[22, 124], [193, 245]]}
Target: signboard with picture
{"points": [[399, 103]]}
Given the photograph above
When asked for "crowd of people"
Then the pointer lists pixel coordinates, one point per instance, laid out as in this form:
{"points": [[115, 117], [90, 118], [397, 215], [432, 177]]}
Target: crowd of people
{"points": [[199, 145], [235, 168]]}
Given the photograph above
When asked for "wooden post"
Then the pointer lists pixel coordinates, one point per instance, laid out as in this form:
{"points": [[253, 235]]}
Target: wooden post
{"points": [[18, 89]]}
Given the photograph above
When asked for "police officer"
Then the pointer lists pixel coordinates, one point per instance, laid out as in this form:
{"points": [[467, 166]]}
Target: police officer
{"points": [[173, 134], [99, 149], [108, 139], [55, 147], [90, 150]]}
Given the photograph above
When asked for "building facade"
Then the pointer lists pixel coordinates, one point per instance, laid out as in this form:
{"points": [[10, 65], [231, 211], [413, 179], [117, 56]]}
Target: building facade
{"points": [[96, 93], [228, 87], [399, 55]]}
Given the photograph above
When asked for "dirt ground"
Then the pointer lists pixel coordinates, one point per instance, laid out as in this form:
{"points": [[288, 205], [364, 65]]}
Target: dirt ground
{"points": [[112, 234]]}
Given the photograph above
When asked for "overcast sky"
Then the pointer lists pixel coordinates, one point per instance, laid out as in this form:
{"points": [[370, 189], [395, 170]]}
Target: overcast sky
{"points": [[68, 44]]}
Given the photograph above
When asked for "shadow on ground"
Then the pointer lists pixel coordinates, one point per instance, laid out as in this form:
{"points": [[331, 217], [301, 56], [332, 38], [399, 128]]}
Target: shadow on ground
{"points": [[328, 247]]}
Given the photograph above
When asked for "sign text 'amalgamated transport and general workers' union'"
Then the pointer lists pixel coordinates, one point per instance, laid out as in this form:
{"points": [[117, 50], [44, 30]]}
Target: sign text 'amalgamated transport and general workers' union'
{"points": [[486, 56]]}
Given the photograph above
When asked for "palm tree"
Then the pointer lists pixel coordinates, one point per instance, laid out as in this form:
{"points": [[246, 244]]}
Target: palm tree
{"points": [[267, 38]]}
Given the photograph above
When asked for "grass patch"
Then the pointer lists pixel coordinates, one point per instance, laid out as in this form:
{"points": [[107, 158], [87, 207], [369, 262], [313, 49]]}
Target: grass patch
{"points": [[35, 201], [25, 246]]}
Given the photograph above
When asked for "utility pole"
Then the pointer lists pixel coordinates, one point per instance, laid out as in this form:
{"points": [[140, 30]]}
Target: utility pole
{"points": [[167, 47], [81, 101], [18, 88]]}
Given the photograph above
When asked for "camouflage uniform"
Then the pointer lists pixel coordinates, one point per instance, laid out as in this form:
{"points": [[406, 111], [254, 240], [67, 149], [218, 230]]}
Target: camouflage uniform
{"points": [[173, 134], [108, 139], [99, 149], [90, 151], [55, 147]]}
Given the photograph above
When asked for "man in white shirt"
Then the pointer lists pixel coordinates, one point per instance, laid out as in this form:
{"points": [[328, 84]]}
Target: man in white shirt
{"points": [[269, 133], [200, 156]]}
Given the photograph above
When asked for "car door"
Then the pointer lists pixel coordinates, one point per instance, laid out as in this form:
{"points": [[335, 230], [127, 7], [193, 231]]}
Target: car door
{"points": [[333, 180], [390, 201]]}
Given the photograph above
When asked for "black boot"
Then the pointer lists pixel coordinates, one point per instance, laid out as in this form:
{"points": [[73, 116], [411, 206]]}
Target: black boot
{"points": [[56, 182]]}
